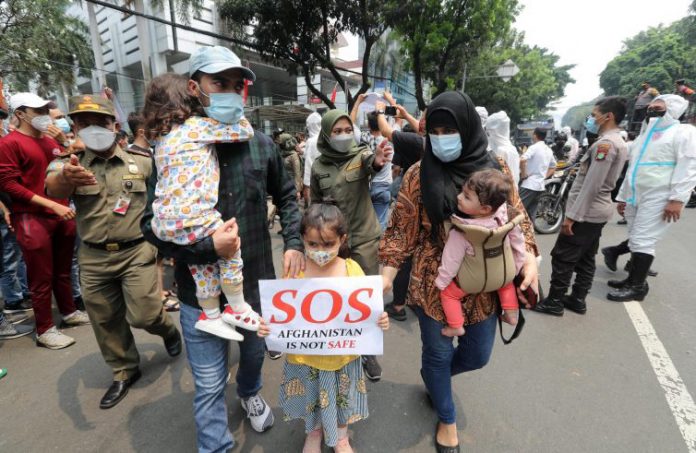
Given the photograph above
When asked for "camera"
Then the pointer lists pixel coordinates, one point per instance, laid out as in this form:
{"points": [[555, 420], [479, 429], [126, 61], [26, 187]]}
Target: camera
{"points": [[390, 110]]}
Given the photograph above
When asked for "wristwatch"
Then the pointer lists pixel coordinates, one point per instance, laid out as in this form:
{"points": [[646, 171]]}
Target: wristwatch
{"points": [[379, 112]]}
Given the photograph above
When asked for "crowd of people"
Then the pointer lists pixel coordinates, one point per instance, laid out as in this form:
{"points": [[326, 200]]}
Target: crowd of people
{"points": [[439, 206]]}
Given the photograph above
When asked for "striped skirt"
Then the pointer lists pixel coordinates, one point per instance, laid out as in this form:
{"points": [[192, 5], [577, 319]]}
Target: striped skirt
{"points": [[324, 398]]}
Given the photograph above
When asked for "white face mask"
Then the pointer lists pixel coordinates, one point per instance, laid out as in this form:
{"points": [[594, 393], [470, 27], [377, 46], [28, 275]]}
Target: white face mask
{"points": [[41, 122], [97, 138], [342, 143]]}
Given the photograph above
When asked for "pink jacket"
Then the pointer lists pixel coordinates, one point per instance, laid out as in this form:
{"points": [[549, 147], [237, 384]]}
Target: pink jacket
{"points": [[458, 247]]}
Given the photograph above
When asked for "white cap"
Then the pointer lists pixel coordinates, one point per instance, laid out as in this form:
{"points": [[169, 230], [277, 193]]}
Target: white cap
{"points": [[27, 100]]}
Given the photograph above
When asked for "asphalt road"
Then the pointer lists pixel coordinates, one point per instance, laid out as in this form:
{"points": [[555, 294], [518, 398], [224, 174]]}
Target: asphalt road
{"points": [[571, 384]]}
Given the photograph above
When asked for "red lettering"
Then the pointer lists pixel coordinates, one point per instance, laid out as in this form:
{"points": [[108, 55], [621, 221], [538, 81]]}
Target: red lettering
{"points": [[364, 309], [336, 303], [283, 306]]}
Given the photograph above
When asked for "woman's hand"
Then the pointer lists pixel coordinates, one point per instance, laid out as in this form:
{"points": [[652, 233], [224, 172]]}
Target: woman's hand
{"points": [[264, 329], [383, 154], [383, 321], [530, 274], [63, 212]]}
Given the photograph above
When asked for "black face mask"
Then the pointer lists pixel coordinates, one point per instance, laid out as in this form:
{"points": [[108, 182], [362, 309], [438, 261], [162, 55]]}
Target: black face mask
{"points": [[655, 113]]}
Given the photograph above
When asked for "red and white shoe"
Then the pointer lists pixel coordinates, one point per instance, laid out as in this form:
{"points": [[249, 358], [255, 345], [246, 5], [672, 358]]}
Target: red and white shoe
{"points": [[246, 319], [217, 327]]}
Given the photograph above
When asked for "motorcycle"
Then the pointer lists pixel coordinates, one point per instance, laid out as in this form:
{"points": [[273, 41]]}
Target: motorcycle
{"points": [[551, 208]]}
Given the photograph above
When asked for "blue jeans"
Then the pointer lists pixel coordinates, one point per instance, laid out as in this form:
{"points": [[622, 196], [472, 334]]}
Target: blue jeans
{"points": [[381, 199], [208, 356], [13, 279], [440, 360], [75, 271]]}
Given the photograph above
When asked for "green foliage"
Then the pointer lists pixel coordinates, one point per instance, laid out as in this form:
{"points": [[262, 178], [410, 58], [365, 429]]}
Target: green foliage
{"points": [[182, 8], [439, 36], [41, 44], [298, 35], [659, 55], [539, 82], [575, 116]]}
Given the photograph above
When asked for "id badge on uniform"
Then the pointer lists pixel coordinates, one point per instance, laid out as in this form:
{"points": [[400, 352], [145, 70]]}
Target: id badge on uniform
{"points": [[122, 204]]}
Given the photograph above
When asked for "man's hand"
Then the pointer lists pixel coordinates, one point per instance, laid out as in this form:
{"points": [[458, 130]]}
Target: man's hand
{"points": [[530, 274], [401, 112], [63, 212], [390, 99], [567, 227], [383, 154], [6, 216], [673, 211], [77, 175], [293, 263], [57, 134], [621, 208], [380, 106], [361, 98], [226, 239]]}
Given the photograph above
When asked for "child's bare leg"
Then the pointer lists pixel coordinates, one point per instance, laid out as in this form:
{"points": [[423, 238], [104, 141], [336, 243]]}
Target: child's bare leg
{"points": [[312, 443], [343, 445]]}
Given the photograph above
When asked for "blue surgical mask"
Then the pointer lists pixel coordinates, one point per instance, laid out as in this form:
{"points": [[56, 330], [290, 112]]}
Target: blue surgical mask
{"points": [[591, 125], [227, 108], [63, 124], [446, 148]]}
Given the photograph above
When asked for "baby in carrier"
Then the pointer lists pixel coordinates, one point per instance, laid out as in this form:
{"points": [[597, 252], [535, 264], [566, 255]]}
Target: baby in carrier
{"points": [[484, 250]]}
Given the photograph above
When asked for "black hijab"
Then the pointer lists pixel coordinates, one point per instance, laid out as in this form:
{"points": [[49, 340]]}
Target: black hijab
{"points": [[441, 182]]}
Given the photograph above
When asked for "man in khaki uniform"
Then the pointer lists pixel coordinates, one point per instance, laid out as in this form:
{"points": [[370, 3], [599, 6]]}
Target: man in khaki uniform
{"points": [[118, 272], [588, 209]]}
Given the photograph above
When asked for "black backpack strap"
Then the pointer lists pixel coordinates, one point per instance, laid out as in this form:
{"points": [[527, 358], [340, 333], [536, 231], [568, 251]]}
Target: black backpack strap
{"points": [[518, 327]]}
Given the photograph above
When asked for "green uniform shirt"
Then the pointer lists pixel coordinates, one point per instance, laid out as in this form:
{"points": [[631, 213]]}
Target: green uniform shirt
{"points": [[121, 186], [349, 185]]}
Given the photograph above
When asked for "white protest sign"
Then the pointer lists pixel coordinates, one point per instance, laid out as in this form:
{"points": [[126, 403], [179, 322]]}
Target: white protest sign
{"points": [[323, 316]]}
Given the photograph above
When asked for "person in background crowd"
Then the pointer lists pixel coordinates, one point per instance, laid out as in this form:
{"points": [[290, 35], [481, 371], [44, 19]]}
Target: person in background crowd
{"points": [[286, 144], [380, 182], [248, 171], [117, 266], [660, 178], [44, 225], [408, 149], [455, 148], [498, 131], [588, 209], [60, 127], [136, 124], [342, 172], [572, 142], [313, 123], [536, 164], [13, 278], [11, 328], [645, 97], [683, 89], [483, 114], [122, 139]]}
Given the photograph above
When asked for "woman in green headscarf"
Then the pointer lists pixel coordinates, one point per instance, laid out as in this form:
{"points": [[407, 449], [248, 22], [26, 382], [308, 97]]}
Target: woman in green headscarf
{"points": [[342, 173]]}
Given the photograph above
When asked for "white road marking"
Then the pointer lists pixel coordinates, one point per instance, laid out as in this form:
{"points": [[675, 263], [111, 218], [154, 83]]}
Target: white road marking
{"points": [[678, 397]]}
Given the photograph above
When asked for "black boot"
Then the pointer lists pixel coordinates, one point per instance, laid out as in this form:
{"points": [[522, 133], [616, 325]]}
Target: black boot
{"points": [[627, 268], [611, 254], [636, 287], [618, 283], [552, 304], [575, 302]]}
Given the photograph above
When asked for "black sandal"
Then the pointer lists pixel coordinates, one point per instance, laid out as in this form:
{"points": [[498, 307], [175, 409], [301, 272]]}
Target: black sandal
{"points": [[441, 448]]}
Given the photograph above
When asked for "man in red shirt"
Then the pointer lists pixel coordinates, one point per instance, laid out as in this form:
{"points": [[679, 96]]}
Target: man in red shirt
{"points": [[44, 226]]}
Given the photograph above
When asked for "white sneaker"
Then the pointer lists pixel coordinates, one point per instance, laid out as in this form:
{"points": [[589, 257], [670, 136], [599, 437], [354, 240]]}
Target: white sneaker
{"points": [[76, 318], [258, 412], [217, 327], [247, 318], [54, 339]]}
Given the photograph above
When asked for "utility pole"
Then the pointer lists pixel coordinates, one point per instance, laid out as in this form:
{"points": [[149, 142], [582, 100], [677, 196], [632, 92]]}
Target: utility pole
{"points": [[143, 40], [464, 79]]}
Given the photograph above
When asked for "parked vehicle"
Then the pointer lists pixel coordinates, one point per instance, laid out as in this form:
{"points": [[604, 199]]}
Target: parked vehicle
{"points": [[551, 209]]}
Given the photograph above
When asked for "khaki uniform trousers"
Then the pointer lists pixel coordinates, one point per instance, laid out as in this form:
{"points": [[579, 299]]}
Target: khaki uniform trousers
{"points": [[120, 291], [365, 255]]}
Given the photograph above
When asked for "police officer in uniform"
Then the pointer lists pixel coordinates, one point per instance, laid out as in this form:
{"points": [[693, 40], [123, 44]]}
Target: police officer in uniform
{"points": [[589, 207], [118, 271]]}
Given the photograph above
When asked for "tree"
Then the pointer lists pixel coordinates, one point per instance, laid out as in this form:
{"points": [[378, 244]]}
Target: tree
{"points": [[298, 35], [575, 116], [41, 44], [659, 55], [440, 36], [539, 82]]}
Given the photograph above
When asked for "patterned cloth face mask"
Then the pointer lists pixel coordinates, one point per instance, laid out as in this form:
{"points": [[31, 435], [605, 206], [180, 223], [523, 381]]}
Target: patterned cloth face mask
{"points": [[321, 257]]}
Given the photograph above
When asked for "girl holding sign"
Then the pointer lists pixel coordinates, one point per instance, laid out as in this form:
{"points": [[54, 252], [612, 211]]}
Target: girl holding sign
{"points": [[327, 392]]}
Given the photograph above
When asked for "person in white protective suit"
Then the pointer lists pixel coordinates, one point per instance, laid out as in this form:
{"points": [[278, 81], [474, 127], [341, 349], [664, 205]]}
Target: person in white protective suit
{"points": [[659, 180], [572, 142], [313, 124], [483, 114], [498, 130]]}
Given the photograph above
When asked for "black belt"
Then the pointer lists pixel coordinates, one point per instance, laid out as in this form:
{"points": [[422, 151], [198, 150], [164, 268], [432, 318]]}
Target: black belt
{"points": [[114, 246]]}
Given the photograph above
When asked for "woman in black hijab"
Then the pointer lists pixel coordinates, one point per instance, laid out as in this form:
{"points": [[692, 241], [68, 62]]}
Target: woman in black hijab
{"points": [[455, 148]]}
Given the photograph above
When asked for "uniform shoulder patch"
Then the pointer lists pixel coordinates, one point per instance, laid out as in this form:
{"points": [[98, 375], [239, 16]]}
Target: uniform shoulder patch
{"points": [[603, 150], [137, 152]]}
